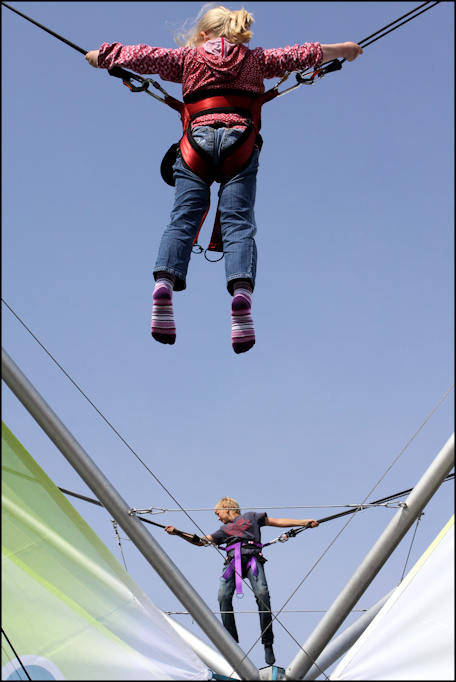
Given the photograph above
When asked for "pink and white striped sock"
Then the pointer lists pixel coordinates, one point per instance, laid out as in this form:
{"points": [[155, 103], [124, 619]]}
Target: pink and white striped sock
{"points": [[242, 331], [163, 327]]}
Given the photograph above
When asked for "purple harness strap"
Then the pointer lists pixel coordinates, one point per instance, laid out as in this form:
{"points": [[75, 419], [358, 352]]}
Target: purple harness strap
{"points": [[236, 564]]}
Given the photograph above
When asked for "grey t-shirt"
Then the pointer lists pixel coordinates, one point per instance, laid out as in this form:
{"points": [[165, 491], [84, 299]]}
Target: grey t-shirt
{"points": [[246, 527]]}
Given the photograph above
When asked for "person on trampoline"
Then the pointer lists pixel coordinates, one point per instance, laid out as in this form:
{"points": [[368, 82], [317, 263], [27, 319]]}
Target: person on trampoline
{"points": [[215, 58], [242, 535]]}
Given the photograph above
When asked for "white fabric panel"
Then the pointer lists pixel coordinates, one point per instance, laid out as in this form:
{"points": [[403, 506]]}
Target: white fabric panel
{"points": [[412, 637]]}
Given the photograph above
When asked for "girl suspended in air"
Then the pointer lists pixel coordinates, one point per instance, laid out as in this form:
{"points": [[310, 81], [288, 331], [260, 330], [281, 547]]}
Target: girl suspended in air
{"points": [[222, 83]]}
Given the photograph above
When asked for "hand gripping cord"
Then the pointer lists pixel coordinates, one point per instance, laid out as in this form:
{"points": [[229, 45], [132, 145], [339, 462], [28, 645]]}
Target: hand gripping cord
{"points": [[186, 536], [334, 65], [282, 538]]}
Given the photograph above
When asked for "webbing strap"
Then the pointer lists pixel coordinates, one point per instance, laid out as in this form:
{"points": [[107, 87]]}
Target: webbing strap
{"points": [[236, 564], [236, 157], [216, 243], [221, 103]]}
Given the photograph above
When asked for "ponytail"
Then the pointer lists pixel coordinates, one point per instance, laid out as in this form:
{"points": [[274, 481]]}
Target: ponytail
{"points": [[237, 27], [219, 21]]}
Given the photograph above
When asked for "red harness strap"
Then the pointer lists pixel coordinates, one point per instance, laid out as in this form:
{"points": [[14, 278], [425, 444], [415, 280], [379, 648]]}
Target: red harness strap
{"points": [[236, 157]]}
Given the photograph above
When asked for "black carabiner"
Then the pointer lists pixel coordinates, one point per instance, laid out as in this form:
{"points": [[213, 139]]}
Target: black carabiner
{"points": [[212, 261], [198, 247], [127, 76], [335, 65]]}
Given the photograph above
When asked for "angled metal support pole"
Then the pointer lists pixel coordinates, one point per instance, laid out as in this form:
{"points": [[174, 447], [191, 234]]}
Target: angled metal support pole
{"points": [[373, 562], [338, 646], [119, 509]]}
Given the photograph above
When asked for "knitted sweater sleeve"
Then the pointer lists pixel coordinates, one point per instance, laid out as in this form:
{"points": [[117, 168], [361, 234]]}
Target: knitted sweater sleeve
{"points": [[143, 59], [276, 62]]}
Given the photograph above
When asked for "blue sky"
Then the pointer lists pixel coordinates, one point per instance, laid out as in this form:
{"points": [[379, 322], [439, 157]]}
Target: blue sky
{"points": [[353, 307]]}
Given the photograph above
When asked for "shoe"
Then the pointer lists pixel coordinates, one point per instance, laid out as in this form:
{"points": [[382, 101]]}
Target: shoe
{"points": [[269, 654]]}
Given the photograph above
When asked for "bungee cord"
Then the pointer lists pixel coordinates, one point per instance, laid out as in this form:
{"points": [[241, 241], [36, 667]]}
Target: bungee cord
{"points": [[152, 474], [363, 43], [318, 73], [291, 533], [129, 447], [48, 30], [102, 416], [144, 87], [163, 510], [187, 613], [336, 65], [352, 512]]}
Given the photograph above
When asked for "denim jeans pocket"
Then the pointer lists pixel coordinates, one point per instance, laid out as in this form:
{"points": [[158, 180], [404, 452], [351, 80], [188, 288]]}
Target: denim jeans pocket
{"points": [[214, 140], [204, 138]]}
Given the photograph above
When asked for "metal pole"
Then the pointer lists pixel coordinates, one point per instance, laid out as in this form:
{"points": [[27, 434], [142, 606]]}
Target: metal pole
{"points": [[337, 647], [208, 655], [375, 559], [119, 509]]}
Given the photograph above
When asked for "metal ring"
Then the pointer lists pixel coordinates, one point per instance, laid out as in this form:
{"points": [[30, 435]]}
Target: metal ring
{"points": [[212, 261], [197, 246]]}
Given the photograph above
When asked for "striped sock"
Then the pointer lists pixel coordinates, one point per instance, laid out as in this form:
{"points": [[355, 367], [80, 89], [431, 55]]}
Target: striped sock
{"points": [[242, 331], [163, 327]]}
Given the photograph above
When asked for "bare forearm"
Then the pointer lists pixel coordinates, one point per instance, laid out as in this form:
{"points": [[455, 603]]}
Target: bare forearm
{"points": [[348, 51], [193, 540], [289, 523]]}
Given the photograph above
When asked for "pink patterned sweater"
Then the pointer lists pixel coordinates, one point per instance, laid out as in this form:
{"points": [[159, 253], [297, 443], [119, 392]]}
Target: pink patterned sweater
{"points": [[216, 64]]}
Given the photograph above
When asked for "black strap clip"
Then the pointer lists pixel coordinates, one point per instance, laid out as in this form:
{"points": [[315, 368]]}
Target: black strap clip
{"points": [[335, 65], [127, 77]]}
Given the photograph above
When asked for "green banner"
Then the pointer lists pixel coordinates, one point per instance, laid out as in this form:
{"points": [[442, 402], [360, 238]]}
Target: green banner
{"points": [[69, 609]]}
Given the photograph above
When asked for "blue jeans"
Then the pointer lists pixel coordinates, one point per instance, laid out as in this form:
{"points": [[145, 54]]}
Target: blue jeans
{"points": [[191, 199], [261, 591]]}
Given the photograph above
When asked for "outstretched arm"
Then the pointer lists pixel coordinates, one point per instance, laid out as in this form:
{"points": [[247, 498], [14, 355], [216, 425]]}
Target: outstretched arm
{"points": [[289, 523], [203, 542], [348, 51]]}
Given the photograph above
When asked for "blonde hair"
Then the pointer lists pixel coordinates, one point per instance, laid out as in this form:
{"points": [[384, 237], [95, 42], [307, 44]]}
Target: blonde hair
{"points": [[219, 21], [230, 503]]}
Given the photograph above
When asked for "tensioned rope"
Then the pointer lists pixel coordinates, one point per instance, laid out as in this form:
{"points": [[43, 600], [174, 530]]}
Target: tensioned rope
{"points": [[187, 613], [129, 447], [163, 510], [383, 33], [100, 413], [275, 616], [382, 502], [411, 545], [375, 486], [14, 652], [359, 507], [292, 533], [335, 65]]}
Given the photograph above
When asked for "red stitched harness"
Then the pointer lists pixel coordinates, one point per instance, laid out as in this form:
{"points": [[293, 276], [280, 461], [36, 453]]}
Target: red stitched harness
{"points": [[234, 160]]}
